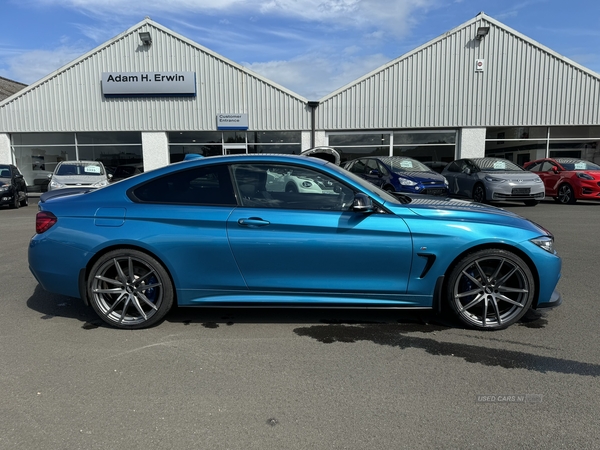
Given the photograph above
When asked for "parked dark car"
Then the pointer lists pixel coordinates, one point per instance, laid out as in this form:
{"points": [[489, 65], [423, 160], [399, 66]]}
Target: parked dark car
{"points": [[13, 188], [223, 231], [399, 174], [568, 179]]}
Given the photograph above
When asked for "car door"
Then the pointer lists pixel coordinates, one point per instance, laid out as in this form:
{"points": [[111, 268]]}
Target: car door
{"points": [[373, 172], [309, 242]]}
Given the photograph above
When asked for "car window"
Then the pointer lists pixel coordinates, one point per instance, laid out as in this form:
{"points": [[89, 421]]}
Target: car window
{"points": [[577, 164], [80, 169], [453, 167], [384, 171], [206, 185], [535, 167], [290, 187], [358, 167], [546, 167], [371, 165]]}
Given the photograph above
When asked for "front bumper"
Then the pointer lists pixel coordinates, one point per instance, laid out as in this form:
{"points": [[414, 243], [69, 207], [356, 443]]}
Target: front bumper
{"points": [[555, 300], [514, 191]]}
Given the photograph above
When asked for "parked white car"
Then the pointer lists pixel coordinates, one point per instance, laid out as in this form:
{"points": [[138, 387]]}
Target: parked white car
{"points": [[77, 174]]}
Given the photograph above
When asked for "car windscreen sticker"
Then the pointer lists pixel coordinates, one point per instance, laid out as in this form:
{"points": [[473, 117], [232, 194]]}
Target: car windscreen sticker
{"points": [[499, 165], [406, 164], [580, 166], [91, 169]]}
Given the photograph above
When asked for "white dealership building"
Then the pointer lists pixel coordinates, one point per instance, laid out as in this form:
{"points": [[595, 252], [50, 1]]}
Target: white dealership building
{"points": [[151, 95]]}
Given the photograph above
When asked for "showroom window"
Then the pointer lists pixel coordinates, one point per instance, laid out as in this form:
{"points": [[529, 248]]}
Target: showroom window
{"points": [[435, 146], [212, 143], [523, 144], [37, 154]]}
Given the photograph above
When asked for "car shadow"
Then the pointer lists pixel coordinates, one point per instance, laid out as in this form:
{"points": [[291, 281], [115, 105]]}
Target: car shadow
{"points": [[51, 305]]}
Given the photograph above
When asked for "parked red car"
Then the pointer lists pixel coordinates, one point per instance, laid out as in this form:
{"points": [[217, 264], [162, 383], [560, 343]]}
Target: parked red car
{"points": [[568, 179]]}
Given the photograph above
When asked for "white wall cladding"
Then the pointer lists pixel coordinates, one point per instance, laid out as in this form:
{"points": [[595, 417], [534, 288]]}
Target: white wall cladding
{"points": [[71, 99], [437, 85]]}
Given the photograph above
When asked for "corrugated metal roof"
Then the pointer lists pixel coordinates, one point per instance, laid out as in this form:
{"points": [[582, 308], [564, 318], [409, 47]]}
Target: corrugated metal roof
{"points": [[70, 99], [436, 85]]}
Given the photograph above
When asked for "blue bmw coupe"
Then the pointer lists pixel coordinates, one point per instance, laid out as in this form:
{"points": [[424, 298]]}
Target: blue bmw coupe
{"points": [[232, 231]]}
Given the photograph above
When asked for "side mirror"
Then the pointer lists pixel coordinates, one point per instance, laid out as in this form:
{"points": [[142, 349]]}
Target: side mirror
{"points": [[109, 176], [555, 169], [362, 203], [375, 173]]}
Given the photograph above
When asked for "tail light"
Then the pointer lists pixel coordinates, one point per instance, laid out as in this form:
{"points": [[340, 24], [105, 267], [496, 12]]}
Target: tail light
{"points": [[44, 220]]}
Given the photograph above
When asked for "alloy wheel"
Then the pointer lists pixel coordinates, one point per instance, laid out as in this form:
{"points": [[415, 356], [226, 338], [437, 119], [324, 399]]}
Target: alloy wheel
{"points": [[491, 291], [130, 290], [566, 195]]}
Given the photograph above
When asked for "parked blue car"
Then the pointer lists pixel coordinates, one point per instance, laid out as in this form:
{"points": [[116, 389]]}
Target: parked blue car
{"points": [[399, 174], [226, 231]]}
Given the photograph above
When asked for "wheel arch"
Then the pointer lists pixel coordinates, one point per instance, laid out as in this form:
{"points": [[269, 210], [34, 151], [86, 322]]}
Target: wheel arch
{"points": [[492, 245], [83, 273]]}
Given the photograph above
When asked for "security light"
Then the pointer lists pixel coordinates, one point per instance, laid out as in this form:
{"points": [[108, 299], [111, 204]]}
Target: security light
{"points": [[481, 32], [146, 38]]}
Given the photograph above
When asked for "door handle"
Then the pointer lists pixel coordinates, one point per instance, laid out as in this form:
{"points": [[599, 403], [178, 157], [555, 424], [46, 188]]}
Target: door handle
{"points": [[253, 222]]}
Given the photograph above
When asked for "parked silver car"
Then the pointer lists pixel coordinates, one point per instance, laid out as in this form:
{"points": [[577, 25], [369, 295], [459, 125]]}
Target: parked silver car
{"points": [[77, 174], [493, 179]]}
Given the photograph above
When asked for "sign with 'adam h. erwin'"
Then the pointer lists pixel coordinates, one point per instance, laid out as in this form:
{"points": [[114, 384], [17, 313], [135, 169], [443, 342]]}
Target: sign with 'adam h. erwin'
{"points": [[120, 84]]}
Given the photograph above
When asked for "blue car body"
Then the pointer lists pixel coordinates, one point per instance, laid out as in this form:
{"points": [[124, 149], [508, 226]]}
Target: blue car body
{"points": [[399, 174], [395, 255]]}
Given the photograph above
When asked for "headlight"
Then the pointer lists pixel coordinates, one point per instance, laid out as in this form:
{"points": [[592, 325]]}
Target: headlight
{"points": [[538, 180], [306, 184], [405, 182], [494, 179], [584, 176], [545, 242], [4, 188], [56, 185], [445, 181], [100, 183]]}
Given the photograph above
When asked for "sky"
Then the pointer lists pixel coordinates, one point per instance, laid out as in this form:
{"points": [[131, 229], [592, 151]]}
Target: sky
{"points": [[311, 47]]}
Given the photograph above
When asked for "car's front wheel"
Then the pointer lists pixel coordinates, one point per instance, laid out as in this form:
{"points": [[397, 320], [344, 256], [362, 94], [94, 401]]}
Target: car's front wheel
{"points": [[479, 193], [565, 195], [490, 289], [129, 289]]}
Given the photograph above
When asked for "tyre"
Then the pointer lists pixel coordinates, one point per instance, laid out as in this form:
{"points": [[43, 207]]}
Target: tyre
{"points": [[25, 201], [291, 187], [531, 202], [490, 289], [129, 289], [479, 193], [566, 195], [15, 204]]}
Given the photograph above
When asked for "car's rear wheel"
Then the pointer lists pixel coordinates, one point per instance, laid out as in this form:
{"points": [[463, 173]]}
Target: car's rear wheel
{"points": [[565, 195], [479, 193], [490, 289], [129, 289]]}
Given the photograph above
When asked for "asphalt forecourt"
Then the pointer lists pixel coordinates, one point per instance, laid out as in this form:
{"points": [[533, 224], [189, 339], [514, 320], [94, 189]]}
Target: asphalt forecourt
{"points": [[300, 378]]}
